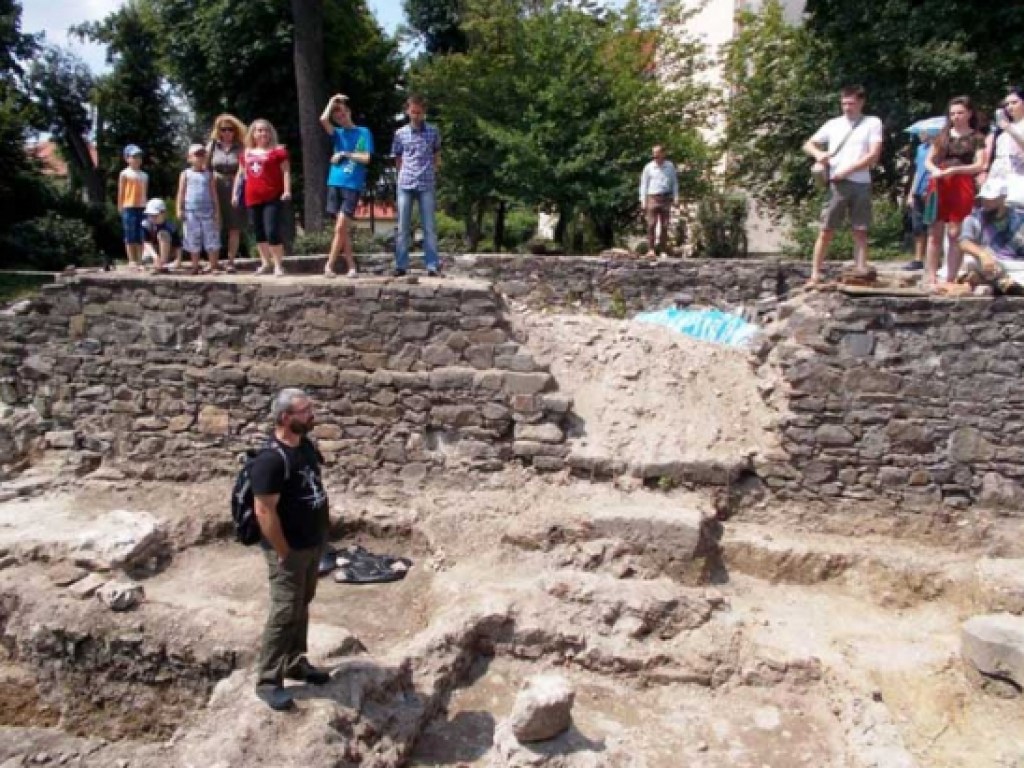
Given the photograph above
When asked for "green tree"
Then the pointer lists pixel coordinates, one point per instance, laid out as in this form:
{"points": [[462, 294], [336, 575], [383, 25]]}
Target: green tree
{"points": [[238, 56], [22, 193], [911, 57], [134, 100], [437, 24], [777, 76], [557, 107], [61, 86]]}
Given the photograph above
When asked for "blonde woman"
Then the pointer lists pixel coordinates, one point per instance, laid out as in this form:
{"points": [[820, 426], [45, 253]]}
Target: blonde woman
{"points": [[266, 174], [223, 155]]}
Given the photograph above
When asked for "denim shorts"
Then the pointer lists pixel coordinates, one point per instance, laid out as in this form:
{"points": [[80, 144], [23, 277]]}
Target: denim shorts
{"points": [[342, 200], [131, 222]]}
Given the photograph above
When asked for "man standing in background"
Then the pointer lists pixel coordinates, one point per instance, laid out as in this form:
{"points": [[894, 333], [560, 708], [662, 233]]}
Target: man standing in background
{"points": [[659, 191], [417, 151]]}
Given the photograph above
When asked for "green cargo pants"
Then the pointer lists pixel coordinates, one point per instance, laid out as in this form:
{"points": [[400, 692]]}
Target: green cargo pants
{"points": [[292, 587]]}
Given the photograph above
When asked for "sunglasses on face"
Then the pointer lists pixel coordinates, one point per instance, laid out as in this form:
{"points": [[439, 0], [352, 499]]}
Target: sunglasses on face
{"points": [[226, 128]]}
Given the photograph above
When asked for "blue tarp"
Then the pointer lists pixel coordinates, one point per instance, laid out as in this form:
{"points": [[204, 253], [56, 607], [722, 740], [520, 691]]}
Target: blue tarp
{"points": [[705, 324]]}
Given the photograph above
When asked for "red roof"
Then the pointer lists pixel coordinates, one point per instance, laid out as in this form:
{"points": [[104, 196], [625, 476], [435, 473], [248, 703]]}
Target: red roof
{"points": [[382, 209], [47, 154]]}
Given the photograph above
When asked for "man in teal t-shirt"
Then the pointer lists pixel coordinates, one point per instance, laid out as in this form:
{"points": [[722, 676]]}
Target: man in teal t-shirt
{"points": [[352, 147]]}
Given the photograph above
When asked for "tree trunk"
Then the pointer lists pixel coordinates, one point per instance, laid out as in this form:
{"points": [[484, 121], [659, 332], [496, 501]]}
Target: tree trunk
{"points": [[564, 214], [81, 159], [473, 232], [499, 226], [308, 18]]}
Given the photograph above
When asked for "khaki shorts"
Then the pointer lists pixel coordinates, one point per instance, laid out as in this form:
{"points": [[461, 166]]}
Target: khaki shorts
{"points": [[847, 198]]}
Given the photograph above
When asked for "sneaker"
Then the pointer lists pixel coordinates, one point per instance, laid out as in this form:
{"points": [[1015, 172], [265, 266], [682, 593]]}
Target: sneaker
{"points": [[230, 269], [275, 697], [399, 273], [279, 272], [329, 271], [305, 672], [433, 272], [351, 273], [914, 266], [263, 269]]}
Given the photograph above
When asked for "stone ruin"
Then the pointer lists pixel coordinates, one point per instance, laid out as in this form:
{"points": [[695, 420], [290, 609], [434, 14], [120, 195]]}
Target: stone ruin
{"points": [[795, 592]]}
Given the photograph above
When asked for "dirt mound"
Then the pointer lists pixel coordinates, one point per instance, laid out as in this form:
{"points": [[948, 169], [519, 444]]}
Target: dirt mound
{"points": [[645, 395]]}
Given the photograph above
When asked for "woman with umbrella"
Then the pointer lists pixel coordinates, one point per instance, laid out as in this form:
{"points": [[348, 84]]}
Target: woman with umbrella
{"points": [[956, 157], [925, 132]]}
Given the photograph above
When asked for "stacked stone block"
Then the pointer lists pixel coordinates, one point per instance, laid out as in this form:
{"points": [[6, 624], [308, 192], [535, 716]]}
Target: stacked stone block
{"points": [[916, 401], [174, 377]]}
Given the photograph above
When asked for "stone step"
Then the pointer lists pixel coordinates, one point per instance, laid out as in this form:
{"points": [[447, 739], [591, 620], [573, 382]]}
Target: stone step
{"points": [[888, 573], [635, 537]]}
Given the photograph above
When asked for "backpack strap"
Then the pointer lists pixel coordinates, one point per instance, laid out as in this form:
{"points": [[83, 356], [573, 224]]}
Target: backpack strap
{"points": [[273, 445]]}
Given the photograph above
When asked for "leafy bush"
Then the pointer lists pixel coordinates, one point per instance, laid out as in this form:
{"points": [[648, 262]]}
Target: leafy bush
{"points": [[720, 227], [103, 218], [319, 243], [885, 238], [520, 226], [313, 243], [51, 242], [540, 246]]}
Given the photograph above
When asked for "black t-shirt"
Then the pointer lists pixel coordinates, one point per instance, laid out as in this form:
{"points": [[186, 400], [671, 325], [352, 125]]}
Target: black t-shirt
{"points": [[302, 506]]}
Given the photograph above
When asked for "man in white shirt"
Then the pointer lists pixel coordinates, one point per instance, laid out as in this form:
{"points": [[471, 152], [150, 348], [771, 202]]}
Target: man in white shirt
{"points": [[659, 191], [848, 147]]}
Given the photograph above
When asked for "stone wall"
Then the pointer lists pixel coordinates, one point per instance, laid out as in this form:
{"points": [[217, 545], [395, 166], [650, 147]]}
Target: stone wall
{"points": [[917, 401], [174, 377], [612, 286], [624, 286]]}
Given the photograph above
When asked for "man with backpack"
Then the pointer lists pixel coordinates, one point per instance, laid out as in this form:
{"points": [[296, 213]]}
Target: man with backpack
{"points": [[292, 509]]}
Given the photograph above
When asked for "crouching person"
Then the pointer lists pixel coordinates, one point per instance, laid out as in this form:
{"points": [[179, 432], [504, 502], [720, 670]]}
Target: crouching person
{"points": [[291, 506], [991, 235], [160, 237]]}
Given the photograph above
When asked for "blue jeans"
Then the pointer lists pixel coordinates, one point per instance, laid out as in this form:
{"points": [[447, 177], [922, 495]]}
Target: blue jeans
{"points": [[404, 236]]}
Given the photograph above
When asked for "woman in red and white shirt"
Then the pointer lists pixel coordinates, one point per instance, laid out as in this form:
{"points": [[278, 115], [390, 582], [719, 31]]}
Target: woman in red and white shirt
{"points": [[266, 174]]}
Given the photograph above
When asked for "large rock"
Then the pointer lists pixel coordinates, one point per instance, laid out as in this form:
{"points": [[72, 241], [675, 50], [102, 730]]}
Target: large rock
{"points": [[998, 492], [994, 645], [115, 540], [543, 708], [999, 585], [121, 595]]}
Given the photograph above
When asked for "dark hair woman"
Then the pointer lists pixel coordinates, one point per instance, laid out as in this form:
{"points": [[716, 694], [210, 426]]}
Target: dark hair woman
{"points": [[956, 157]]}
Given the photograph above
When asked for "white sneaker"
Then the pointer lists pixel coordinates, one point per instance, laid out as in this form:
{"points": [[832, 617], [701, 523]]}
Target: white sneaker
{"points": [[263, 269], [279, 272], [351, 273], [329, 272]]}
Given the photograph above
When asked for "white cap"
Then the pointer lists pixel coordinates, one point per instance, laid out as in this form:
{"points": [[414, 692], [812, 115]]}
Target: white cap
{"points": [[132, 150], [195, 149], [155, 207], [993, 189]]}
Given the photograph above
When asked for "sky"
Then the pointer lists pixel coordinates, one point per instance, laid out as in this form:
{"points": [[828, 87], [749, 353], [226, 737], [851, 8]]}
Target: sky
{"points": [[54, 17]]}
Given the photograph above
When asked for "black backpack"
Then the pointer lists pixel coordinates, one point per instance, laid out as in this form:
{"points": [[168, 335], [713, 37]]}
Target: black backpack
{"points": [[243, 503]]}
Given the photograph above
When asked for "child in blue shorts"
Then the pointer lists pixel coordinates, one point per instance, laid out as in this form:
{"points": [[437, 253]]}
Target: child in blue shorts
{"points": [[132, 188]]}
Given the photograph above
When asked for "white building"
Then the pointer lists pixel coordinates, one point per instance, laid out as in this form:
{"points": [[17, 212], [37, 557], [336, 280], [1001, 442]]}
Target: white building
{"points": [[715, 24]]}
